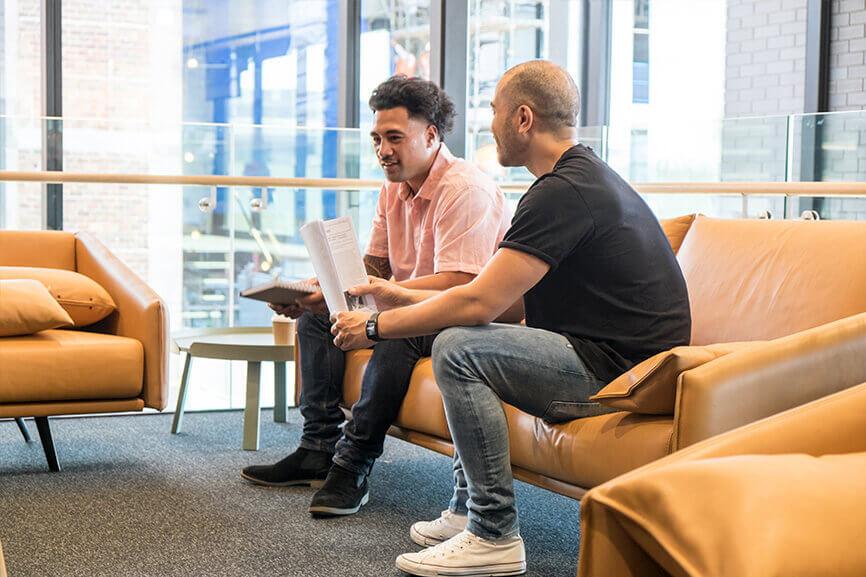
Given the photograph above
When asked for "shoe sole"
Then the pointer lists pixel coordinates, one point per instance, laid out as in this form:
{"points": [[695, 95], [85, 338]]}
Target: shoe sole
{"points": [[314, 483], [423, 540], [336, 511], [499, 570]]}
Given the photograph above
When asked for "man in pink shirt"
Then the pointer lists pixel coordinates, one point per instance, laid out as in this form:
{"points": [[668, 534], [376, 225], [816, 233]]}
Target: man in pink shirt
{"points": [[438, 221]]}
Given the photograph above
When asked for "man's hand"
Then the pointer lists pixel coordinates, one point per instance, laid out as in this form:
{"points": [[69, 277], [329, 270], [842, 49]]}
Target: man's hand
{"points": [[314, 303], [388, 295], [350, 330]]}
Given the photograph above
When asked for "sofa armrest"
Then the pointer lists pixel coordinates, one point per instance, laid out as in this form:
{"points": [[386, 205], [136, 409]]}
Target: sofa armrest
{"points": [[140, 313], [752, 384], [831, 425]]}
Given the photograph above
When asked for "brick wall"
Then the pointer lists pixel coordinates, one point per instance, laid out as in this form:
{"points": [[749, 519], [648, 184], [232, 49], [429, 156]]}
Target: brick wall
{"points": [[765, 57], [121, 74], [764, 76], [847, 55], [843, 155]]}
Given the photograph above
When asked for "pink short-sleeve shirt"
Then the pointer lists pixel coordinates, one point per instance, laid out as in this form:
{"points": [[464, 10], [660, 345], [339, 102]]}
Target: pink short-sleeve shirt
{"points": [[453, 224]]}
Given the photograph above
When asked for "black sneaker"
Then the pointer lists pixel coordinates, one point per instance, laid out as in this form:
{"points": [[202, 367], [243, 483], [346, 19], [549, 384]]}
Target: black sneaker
{"points": [[342, 494], [303, 467]]}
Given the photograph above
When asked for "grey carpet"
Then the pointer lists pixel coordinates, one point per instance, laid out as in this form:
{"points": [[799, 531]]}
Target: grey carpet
{"points": [[134, 500]]}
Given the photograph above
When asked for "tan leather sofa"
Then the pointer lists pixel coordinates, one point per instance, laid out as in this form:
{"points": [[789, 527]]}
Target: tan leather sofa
{"points": [[117, 364], [784, 282], [2, 562], [783, 496]]}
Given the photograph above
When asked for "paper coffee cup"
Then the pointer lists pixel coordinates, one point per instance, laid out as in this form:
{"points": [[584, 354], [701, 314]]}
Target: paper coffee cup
{"points": [[284, 330]]}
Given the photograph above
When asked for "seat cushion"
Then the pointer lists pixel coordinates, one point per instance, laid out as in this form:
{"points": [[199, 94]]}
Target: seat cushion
{"points": [[60, 365], [753, 515], [650, 387], [676, 228], [83, 298], [584, 452], [26, 307], [422, 408], [590, 451]]}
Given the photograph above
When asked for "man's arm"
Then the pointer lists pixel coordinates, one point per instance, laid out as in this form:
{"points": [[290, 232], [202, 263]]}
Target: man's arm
{"points": [[379, 266], [504, 281]]}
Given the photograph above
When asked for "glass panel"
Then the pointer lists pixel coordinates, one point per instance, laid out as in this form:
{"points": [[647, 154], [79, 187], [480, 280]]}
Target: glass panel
{"points": [[754, 149], [399, 29], [671, 205], [267, 61], [20, 104], [831, 147], [502, 33], [21, 202]]}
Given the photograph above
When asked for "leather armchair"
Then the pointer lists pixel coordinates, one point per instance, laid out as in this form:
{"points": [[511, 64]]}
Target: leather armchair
{"points": [[118, 364], [630, 529]]}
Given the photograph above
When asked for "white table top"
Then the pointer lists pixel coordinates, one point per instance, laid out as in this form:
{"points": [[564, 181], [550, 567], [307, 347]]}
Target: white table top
{"points": [[236, 343]]}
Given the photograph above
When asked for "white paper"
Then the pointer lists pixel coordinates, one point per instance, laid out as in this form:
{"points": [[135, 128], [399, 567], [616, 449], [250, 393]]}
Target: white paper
{"points": [[338, 263]]}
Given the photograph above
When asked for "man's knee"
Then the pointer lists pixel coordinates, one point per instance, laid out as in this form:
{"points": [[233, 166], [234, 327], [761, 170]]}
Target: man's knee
{"points": [[450, 352], [311, 325]]}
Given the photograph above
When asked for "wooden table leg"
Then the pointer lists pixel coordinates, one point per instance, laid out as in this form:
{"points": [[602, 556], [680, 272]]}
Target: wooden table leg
{"points": [[280, 398], [252, 408], [181, 396]]}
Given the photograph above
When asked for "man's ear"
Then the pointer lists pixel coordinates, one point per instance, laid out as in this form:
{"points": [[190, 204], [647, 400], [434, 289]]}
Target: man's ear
{"points": [[525, 119], [431, 135]]}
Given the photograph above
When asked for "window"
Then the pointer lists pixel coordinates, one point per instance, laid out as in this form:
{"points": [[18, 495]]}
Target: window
{"points": [[20, 107], [502, 34]]}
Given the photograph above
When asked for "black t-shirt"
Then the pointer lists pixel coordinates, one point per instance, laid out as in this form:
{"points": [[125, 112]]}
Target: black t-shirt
{"points": [[614, 288]]}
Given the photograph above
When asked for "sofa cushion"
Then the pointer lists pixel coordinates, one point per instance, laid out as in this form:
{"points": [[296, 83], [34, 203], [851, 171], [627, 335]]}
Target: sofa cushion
{"points": [[764, 279], [676, 228], [756, 507], [26, 307], [60, 365], [650, 387], [590, 451], [84, 299]]}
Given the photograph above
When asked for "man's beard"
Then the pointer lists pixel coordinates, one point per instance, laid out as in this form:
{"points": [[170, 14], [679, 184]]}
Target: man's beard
{"points": [[510, 150]]}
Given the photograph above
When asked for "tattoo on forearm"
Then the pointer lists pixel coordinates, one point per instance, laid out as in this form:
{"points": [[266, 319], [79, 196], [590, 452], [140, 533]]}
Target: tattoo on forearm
{"points": [[378, 266]]}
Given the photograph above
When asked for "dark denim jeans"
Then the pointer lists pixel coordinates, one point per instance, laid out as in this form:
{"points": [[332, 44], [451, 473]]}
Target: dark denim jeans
{"points": [[479, 368], [384, 386]]}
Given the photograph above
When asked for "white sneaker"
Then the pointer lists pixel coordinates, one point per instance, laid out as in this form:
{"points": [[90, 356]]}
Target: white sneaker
{"points": [[429, 533], [467, 555]]}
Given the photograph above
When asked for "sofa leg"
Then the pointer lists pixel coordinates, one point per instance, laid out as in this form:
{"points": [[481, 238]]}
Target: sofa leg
{"points": [[22, 426], [47, 443]]}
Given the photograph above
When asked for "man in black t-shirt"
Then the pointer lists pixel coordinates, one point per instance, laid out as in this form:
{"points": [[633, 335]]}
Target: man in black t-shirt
{"points": [[586, 264]]}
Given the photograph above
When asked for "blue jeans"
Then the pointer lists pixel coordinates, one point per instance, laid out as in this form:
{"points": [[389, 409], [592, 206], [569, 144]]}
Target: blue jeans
{"points": [[479, 368], [383, 388]]}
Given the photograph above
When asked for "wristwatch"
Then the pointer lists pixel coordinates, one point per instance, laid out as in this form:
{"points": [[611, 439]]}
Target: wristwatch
{"points": [[372, 328]]}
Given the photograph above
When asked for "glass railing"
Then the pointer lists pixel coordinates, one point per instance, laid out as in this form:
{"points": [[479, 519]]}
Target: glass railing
{"points": [[198, 246]]}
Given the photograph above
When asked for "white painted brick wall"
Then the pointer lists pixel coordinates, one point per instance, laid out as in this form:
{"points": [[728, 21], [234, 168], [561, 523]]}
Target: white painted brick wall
{"points": [[766, 51]]}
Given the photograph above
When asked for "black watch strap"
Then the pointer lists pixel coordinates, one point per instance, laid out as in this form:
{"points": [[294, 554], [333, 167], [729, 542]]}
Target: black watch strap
{"points": [[372, 327]]}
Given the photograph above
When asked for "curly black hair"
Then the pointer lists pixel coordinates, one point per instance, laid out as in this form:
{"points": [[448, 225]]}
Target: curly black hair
{"points": [[422, 98]]}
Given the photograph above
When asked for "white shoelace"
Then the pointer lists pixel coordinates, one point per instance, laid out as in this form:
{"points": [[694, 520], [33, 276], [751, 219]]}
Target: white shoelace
{"points": [[453, 545], [442, 521]]}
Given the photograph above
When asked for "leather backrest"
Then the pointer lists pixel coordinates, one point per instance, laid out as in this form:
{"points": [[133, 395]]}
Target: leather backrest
{"points": [[40, 248], [760, 280]]}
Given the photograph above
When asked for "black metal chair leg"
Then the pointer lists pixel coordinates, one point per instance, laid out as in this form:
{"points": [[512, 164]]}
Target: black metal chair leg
{"points": [[22, 426], [47, 443]]}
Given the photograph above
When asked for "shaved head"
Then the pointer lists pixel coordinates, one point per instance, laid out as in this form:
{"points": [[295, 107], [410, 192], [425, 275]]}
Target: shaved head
{"points": [[545, 88]]}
